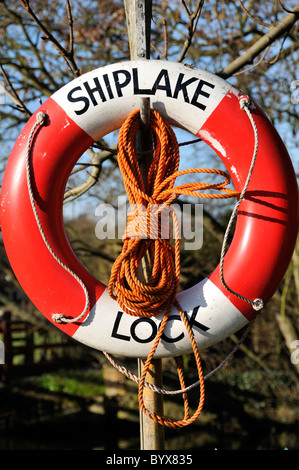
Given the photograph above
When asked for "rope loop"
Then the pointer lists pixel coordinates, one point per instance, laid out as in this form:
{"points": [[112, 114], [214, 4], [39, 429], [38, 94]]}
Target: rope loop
{"points": [[57, 317], [148, 221], [257, 304], [144, 236]]}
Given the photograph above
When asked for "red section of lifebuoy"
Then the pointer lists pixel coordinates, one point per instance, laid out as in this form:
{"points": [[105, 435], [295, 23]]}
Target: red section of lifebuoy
{"points": [[56, 148], [267, 223]]}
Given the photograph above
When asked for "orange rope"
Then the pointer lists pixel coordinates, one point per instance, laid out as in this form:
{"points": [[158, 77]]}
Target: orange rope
{"points": [[148, 200]]}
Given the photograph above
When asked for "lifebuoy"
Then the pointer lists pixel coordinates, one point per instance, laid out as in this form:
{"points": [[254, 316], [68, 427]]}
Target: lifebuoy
{"points": [[87, 109]]}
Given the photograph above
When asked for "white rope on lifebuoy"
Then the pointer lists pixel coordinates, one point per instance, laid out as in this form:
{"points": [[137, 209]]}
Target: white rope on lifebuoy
{"points": [[257, 304], [123, 370], [57, 317]]}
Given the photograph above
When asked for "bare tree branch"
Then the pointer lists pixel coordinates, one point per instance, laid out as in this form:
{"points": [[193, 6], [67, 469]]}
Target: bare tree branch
{"points": [[68, 56], [265, 41], [193, 20], [256, 20], [252, 67], [12, 94], [96, 162], [283, 7], [71, 33]]}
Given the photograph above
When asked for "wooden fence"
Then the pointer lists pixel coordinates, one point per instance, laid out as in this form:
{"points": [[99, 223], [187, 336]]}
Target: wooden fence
{"points": [[29, 350]]}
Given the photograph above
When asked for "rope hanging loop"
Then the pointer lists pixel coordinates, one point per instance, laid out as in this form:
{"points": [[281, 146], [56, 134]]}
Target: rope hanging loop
{"points": [[158, 293], [149, 201]]}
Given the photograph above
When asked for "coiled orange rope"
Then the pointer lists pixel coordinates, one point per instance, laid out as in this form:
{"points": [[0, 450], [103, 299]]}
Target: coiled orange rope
{"points": [[145, 236]]}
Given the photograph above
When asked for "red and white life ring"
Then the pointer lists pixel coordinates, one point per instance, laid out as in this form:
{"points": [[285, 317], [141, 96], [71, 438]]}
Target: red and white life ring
{"points": [[87, 109]]}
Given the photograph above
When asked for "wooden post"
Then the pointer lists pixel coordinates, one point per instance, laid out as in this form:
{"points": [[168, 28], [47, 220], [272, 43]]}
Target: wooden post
{"points": [[151, 433], [138, 14]]}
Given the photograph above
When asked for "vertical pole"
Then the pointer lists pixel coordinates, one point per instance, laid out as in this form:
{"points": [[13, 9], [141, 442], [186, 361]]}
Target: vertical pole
{"points": [[138, 15]]}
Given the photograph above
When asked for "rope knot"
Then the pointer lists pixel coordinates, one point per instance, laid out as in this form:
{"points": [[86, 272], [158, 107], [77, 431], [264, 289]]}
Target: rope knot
{"points": [[58, 317], [40, 118], [244, 101], [257, 304]]}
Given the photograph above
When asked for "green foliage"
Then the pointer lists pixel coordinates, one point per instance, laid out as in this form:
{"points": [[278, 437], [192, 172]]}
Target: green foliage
{"points": [[256, 380], [71, 383]]}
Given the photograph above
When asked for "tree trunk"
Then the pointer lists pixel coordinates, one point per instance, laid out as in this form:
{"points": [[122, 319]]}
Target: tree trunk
{"points": [[290, 336]]}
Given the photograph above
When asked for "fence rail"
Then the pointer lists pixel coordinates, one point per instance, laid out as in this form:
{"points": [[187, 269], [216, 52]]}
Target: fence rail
{"points": [[29, 350]]}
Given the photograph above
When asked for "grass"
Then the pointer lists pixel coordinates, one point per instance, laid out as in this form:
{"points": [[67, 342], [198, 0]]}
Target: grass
{"points": [[85, 385]]}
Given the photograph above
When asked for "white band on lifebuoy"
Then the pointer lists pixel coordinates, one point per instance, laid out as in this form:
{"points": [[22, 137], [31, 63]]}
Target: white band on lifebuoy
{"points": [[98, 103]]}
